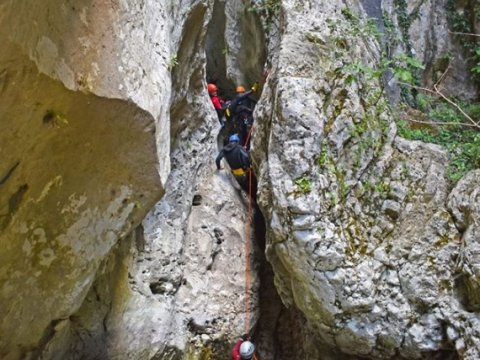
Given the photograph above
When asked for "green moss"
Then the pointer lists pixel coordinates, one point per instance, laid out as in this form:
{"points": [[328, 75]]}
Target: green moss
{"points": [[268, 10], [463, 21], [383, 189], [324, 158], [303, 184]]}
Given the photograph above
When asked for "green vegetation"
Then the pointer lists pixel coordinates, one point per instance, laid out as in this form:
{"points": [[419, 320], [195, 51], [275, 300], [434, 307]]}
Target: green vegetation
{"points": [[462, 142], [332, 198], [323, 159], [406, 19], [266, 7], [405, 67], [462, 22], [476, 67], [382, 188], [268, 10], [359, 27], [444, 124], [172, 62], [303, 184]]}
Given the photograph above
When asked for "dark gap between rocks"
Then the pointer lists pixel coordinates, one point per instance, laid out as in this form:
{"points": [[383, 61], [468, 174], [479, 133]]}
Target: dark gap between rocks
{"points": [[276, 323]]}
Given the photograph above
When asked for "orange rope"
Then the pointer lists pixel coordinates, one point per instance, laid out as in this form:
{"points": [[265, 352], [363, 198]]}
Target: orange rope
{"points": [[248, 136], [247, 255], [247, 243]]}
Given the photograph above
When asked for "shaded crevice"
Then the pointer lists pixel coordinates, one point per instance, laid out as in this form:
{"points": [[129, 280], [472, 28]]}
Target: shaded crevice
{"points": [[13, 205], [217, 50], [8, 173], [280, 331], [466, 293], [234, 59], [48, 335], [183, 76], [274, 318]]}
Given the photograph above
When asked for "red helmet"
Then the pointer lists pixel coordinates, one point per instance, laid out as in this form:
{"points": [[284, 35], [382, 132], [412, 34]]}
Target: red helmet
{"points": [[212, 88], [240, 89]]}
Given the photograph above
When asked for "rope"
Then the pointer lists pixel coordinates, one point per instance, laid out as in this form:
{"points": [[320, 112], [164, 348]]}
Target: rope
{"points": [[247, 255], [248, 138], [247, 241]]}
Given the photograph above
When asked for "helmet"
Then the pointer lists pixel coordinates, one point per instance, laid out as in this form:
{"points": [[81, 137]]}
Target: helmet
{"points": [[240, 89], [212, 88], [234, 138], [246, 350]]}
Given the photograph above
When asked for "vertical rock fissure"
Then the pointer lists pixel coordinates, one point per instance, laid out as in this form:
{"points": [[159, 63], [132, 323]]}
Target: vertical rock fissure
{"points": [[217, 50], [229, 65]]}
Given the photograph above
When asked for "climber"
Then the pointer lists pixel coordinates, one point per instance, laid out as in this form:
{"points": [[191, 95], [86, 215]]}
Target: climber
{"points": [[244, 102], [239, 161], [240, 110], [217, 102], [243, 349]]}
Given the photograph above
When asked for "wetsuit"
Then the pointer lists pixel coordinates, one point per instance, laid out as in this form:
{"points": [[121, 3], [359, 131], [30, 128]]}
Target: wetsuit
{"points": [[239, 162]]}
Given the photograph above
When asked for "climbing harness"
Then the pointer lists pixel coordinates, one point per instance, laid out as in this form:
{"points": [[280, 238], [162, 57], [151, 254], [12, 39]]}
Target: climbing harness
{"points": [[238, 172]]}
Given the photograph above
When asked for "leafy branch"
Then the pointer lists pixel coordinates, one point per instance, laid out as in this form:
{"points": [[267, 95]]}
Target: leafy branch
{"points": [[436, 91]]}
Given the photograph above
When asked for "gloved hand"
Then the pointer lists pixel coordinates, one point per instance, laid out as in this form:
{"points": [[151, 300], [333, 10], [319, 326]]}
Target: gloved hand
{"points": [[255, 87]]}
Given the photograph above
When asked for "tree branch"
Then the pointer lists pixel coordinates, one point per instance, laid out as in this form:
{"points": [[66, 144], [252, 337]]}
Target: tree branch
{"points": [[443, 123], [437, 92], [462, 33]]}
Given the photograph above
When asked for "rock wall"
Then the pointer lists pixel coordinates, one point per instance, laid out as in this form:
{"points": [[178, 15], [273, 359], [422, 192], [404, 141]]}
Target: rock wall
{"points": [[363, 235], [125, 84], [104, 110], [85, 152], [422, 30]]}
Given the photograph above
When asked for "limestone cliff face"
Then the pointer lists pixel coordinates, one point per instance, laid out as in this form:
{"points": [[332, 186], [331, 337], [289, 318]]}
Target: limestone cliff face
{"points": [[81, 113], [423, 29], [104, 111], [364, 236]]}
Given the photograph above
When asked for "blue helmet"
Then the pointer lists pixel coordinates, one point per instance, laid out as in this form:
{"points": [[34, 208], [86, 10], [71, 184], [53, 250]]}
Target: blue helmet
{"points": [[234, 138]]}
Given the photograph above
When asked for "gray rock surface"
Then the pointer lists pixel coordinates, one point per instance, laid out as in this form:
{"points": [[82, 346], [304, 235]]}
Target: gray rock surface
{"points": [[106, 111], [80, 166], [360, 236], [422, 30]]}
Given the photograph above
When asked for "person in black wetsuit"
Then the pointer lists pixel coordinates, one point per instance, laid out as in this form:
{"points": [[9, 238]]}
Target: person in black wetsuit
{"points": [[242, 113], [239, 161]]}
